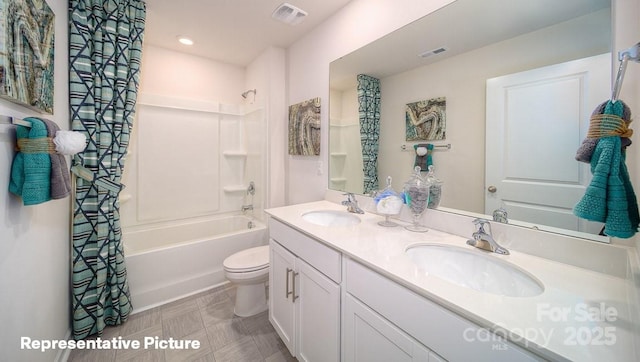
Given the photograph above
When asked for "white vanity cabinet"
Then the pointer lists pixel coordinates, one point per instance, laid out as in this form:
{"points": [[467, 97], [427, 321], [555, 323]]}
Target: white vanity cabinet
{"points": [[327, 306], [304, 294], [405, 325]]}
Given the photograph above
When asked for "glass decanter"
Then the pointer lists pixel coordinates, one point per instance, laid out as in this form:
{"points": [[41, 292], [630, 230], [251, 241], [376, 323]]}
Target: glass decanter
{"points": [[416, 192], [435, 189], [388, 203]]}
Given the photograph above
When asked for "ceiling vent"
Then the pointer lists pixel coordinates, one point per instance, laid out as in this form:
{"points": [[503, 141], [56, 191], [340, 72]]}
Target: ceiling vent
{"points": [[289, 14], [431, 52]]}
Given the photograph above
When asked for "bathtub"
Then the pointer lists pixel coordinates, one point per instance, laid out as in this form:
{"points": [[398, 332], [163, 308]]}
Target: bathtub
{"points": [[168, 262]]}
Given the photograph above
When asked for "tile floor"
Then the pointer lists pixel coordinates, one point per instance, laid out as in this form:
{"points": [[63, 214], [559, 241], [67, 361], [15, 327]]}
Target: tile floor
{"points": [[207, 317]]}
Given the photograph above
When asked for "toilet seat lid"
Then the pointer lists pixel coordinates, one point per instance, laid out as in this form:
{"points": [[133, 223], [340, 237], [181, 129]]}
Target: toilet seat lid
{"points": [[248, 260]]}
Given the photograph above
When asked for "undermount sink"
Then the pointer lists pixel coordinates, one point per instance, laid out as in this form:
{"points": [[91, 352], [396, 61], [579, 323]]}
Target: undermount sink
{"points": [[331, 218], [472, 269]]}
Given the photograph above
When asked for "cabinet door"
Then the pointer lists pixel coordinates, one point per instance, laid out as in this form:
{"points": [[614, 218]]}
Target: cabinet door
{"points": [[281, 308], [317, 300], [371, 338]]}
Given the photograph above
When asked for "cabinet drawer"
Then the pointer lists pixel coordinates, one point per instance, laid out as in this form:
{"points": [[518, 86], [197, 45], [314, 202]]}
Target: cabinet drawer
{"points": [[318, 255], [437, 328]]}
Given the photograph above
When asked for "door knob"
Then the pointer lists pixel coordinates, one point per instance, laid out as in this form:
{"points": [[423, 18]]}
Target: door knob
{"points": [[492, 189]]}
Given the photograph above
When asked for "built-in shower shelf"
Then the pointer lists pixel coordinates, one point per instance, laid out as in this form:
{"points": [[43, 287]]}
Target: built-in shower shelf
{"points": [[338, 154], [231, 154], [234, 189], [338, 180]]}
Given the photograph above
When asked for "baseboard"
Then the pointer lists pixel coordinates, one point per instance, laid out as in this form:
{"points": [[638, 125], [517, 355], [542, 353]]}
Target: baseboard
{"points": [[147, 299], [63, 354]]}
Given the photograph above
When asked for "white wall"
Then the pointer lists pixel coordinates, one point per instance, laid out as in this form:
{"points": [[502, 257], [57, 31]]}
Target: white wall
{"points": [[267, 74], [171, 73], [626, 19], [462, 80], [355, 25], [34, 240]]}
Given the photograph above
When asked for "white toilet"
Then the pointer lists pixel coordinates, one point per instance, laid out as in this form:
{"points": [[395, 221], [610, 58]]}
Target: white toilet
{"points": [[249, 270]]}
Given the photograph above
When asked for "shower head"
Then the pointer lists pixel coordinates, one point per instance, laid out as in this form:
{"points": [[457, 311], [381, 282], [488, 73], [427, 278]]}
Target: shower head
{"points": [[245, 94]]}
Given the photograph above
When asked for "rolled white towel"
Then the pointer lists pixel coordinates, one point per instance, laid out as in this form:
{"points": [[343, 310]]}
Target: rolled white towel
{"points": [[389, 205], [421, 151], [70, 142]]}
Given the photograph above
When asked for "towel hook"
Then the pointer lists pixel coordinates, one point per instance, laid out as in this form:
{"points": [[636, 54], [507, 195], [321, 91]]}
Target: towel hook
{"points": [[13, 120], [624, 56]]}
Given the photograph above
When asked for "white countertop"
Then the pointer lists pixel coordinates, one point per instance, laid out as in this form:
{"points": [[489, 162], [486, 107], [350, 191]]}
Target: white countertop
{"points": [[568, 320]]}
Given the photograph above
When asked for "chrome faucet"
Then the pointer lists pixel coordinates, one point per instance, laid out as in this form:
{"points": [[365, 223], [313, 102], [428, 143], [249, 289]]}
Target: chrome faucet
{"points": [[483, 240], [251, 190], [500, 215], [352, 204]]}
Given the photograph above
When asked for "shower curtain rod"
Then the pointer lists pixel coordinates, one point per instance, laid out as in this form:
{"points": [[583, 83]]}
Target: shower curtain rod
{"points": [[13, 120], [624, 56]]}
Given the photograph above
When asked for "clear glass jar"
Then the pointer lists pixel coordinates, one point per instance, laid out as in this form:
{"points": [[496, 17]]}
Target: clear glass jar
{"points": [[435, 189], [416, 191], [388, 203]]}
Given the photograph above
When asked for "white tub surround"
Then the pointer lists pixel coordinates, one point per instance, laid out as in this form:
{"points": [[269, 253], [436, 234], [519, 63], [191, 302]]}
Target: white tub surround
{"points": [[587, 311], [180, 211]]}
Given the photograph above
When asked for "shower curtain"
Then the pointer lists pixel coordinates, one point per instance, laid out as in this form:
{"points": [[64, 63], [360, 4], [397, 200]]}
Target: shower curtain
{"points": [[105, 47], [369, 116]]}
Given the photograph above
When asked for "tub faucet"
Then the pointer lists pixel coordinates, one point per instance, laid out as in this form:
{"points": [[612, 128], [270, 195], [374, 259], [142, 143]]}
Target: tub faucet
{"points": [[484, 240], [246, 208], [352, 204]]}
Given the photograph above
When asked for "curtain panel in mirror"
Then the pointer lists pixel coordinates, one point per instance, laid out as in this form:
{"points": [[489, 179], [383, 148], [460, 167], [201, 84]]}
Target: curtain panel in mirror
{"points": [[369, 117]]}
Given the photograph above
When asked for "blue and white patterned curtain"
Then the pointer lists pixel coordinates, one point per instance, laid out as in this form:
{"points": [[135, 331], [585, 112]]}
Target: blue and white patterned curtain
{"points": [[105, 47], [369, 115]]}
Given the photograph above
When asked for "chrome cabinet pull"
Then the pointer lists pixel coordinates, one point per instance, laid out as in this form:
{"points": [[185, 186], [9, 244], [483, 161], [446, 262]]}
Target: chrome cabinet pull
{"points": [[294, 287], [287, 277]]}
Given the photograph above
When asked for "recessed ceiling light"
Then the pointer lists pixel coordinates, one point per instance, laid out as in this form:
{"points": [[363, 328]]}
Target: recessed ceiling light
{"points": [[184, 40]]}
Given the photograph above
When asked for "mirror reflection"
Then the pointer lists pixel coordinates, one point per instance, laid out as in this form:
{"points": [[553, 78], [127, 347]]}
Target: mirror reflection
{"points": [[474, 55]]}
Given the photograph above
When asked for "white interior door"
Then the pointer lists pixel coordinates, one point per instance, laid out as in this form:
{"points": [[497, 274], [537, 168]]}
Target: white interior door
{"points": [[536, 120]]}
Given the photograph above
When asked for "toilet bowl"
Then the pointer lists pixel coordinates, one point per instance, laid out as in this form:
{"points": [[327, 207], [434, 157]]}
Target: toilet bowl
{"points": [[249, 270]]}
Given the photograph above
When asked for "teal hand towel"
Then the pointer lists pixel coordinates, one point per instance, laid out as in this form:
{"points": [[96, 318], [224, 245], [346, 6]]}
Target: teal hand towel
{"points": [[31, 168], [610, 198]]}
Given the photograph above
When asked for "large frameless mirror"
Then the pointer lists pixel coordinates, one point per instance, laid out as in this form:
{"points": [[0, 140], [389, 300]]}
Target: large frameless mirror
{"points": [[471, 55]]}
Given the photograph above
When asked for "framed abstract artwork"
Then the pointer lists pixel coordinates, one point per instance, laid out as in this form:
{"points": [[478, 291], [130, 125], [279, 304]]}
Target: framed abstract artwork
{"points": [[26, 53], [426, 120], [304, 128]]}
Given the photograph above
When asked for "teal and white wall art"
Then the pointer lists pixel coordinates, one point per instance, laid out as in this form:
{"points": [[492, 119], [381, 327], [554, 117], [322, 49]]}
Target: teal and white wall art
{"points": [[26, 53], [426, 120], [304, 128]]}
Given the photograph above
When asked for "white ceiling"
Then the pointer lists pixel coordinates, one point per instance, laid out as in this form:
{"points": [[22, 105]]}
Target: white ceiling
{"points": [[230, 31], [462, 26]]}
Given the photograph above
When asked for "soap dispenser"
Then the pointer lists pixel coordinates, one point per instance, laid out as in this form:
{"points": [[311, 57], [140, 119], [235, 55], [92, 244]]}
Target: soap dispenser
{"points": [[435, 188], [416, 191], [388, 203]]}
